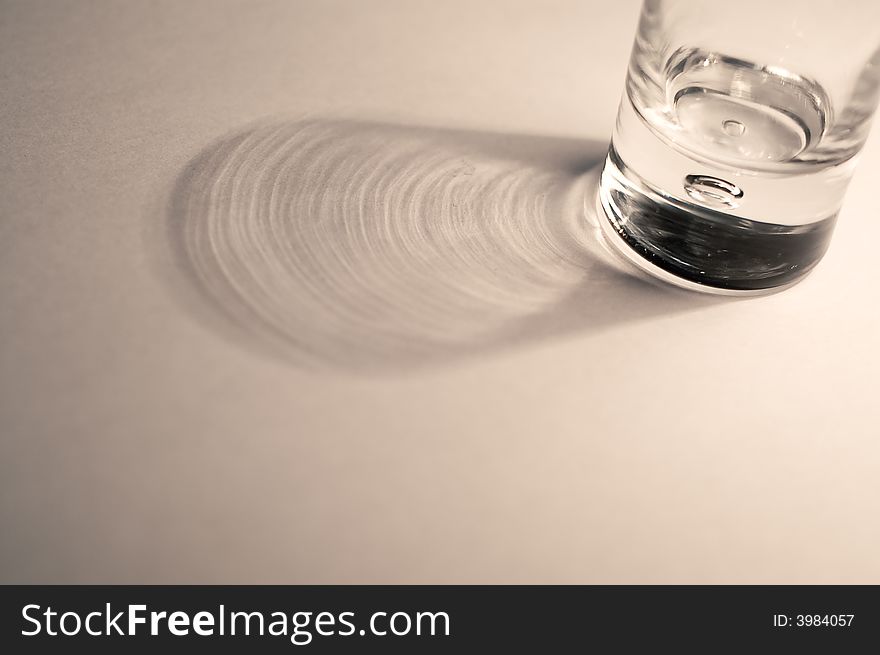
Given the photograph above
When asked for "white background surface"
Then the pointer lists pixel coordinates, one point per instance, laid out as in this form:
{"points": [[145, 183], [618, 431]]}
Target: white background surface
{"points": [[665, 439]]}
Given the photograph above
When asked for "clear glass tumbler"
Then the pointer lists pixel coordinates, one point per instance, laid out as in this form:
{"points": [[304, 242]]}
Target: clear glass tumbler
{"points": [[737, 136]]}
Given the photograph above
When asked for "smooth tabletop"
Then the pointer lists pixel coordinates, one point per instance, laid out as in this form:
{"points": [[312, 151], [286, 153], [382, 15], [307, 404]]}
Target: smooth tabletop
{"points": [[301, 292]]}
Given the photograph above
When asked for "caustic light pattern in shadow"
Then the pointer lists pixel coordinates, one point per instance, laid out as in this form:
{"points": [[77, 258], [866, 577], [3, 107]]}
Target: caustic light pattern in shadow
{"points": [[370, 246]]}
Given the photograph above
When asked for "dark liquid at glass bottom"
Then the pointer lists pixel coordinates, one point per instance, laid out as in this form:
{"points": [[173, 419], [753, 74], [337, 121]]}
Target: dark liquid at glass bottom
{"points": [[716, 249]]}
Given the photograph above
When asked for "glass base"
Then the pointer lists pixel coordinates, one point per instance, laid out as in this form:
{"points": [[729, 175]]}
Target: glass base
{"points": [[701, 249]]}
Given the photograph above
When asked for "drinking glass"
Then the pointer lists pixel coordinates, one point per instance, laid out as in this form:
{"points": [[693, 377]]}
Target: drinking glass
{"points": [[737, 136]]}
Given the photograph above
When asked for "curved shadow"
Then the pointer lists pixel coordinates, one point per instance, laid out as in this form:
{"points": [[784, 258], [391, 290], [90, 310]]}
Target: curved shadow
{"points": [[373, 247]]}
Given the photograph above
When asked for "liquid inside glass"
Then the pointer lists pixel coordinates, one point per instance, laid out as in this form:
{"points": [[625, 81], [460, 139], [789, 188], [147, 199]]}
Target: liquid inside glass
{"points": [[724, 172]]}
